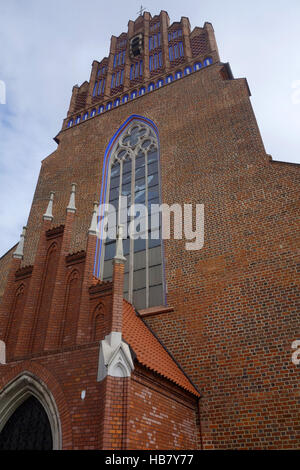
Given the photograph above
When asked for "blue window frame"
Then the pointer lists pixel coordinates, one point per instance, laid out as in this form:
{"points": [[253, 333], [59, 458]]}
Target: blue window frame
{"points": [[95, 89], [103, 85], [169, 79], [93, 112], [151, 87], [121, 77], [78, 119], [187, 70], [169, 37], [174, 34], [197, 66], [178, 74], [179, 33], [101, 109], [109, 106], [117, 79], [181, 53], [151, 63], [141, 68], [70, 123], [131, 71], [150, 43], [133, 94], [146, 290], [115, 60], [176, 51], [136, 71], [117, 102], [112, 80], [160, 59], [85, 116], [155, 61], [171, 53], [100, 87], [142, 91], [160, 83], [123, 58], [208, 61], [125, 99]]}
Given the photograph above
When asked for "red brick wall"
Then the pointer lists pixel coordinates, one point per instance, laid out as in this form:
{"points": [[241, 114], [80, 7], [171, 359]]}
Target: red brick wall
{"points": [[46, 293], [116, 413], [161, 416], [235, 300], [4, 268], [15, 316], [69, 374]]}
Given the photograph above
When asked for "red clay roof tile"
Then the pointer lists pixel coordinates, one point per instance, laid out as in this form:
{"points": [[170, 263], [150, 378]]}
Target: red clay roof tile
{"points": [[149, 350]]}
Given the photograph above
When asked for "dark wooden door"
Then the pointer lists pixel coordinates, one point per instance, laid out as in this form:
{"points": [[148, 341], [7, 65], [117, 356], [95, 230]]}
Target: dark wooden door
{"points": [[27, 429]]}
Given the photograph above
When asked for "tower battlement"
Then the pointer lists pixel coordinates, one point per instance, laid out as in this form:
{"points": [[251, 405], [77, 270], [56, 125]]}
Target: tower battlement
{"points": [[151, 54]]}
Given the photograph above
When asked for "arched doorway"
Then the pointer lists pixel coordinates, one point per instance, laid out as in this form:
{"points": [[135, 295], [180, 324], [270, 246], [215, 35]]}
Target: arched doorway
{"points": [[28, 428], [29, 418]]}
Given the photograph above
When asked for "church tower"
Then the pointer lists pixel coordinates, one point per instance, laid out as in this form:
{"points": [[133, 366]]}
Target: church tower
{"points": [[153, 342]]}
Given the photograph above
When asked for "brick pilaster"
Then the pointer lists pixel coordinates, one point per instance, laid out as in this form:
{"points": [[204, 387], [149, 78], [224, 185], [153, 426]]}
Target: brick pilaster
{"points": [[110, 67], [8, 297], [186, 31], [113, 432], [52, 340], [212, 39], [117, 296], [23, 345], [93, 78], [164, 24], [83, 331]]}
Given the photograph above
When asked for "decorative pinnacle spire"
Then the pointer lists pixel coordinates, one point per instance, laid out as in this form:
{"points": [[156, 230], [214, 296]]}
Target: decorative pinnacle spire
{"points": [[48, 214], [71, 207], [120, 258], [93, 227], [19, 253]]}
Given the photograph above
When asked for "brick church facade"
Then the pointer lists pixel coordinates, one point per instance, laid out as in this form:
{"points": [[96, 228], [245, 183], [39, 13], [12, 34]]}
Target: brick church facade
{"points": [[127, 344]]}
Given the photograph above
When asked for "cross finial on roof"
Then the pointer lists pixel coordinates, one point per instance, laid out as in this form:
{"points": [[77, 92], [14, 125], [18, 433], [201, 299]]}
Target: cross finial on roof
{"points": [[141, 11]]}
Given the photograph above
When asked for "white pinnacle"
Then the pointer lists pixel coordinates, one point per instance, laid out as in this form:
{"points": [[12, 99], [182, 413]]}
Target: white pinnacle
{"points": [[48, 214], [93, 227], [71, 207], [19, 253], [119, 245]]}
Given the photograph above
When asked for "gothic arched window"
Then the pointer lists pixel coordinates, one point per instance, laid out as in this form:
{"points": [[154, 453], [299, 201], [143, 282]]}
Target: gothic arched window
{"points": [[134, 174]]}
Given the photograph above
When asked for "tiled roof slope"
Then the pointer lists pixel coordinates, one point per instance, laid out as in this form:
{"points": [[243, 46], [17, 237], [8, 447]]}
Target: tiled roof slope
{"points": [[149, 350]]}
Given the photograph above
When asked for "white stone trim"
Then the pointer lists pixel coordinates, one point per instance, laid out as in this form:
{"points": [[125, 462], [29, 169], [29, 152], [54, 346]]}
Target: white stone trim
{"points": [[72, 207], [114, 358], [18, 254], [2, 353], [48, 214]]}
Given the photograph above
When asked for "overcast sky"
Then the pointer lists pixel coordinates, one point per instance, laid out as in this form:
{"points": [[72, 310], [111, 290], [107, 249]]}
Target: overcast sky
{"points": [[48, 46]]}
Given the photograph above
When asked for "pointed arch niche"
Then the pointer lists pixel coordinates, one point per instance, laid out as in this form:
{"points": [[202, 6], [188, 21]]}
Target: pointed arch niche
{"points": [[131, 170], [24, 396]]}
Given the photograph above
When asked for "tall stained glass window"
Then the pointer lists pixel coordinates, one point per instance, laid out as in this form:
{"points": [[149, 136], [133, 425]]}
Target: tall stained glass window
{"points": [[134, 173]]}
